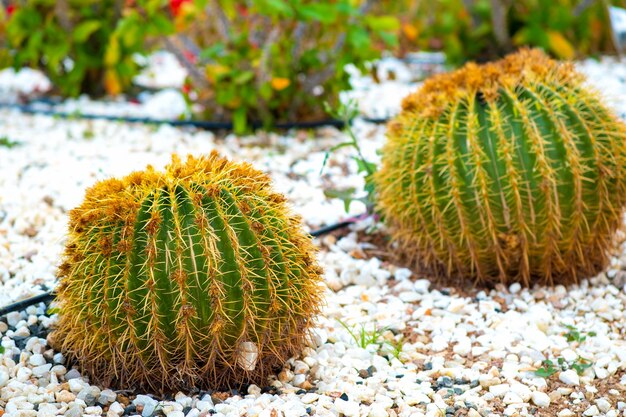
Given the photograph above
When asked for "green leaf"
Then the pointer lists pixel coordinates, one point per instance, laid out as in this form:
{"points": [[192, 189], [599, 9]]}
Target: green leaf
{"points": [[358, 37], [112, 53], [243, 77], [85, 29], [212, 51], [331, 150], [276, 7], [1, 350], [160, 25], [321, 12], [240, 123], [347, 196], [383, 23]]}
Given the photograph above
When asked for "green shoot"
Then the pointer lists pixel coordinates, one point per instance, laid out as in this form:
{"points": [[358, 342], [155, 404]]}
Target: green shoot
{"points": [[574, 335], [5, 142], [346, 112], [547, 370], [363, 338]]}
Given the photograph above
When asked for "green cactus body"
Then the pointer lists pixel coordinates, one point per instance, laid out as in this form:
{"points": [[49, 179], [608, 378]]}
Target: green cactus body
{"points": [[195, 277], [507, 172]]}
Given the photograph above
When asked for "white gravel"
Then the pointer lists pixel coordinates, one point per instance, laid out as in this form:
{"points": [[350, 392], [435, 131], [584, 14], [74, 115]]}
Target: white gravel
{"points": [[433, 351]]}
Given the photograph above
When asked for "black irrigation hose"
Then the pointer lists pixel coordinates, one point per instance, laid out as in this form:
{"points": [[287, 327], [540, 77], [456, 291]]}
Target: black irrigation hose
{"points": [[21, 305], [200, 124], [49, 296]]}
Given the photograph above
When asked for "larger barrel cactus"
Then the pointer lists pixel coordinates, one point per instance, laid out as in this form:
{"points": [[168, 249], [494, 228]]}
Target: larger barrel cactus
{"points": [[509, 171], [194, 277]]}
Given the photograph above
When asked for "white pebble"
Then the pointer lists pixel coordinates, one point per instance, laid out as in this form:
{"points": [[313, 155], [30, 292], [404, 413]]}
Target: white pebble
{"points": [[347, 408], [569, 377], [540, 399], [603, 405]]}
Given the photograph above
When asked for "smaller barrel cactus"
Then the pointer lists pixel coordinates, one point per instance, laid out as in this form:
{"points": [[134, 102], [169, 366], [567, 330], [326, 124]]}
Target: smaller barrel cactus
{"points": [[512, 171], [196, 277]]}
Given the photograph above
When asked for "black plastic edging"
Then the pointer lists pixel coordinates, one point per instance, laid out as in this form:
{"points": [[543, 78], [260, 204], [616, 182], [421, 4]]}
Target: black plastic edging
{"points": [[49, 296], [200, 124]]}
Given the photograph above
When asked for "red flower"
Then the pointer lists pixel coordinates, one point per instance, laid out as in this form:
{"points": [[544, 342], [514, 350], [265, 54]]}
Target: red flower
{"points": [[175, 6], [11, 9], [243, 10], [189, 56]]}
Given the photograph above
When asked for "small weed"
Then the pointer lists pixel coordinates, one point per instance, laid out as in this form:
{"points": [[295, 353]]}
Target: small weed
{"points": [[363, 338], [53, 310], [88, 134], [347, 112], [395, 347], [580, 365], [5, 142], [547, 370], [575, 335]]}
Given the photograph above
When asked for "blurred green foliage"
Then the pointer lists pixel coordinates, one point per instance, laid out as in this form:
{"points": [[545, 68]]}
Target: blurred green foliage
{"points": [[276, 60], [84, 46], [485, 29]]}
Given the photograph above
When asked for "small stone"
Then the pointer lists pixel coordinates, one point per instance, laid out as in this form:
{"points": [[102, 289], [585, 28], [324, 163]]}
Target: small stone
{"points": [[309, 398], [499, 390], [89, 395], [254, 390], [183, 400], [540, 399], [93, 410], [285, 376], [58, 370], [347, 408], [522, 391], [422, 285], [603, 405], [515, 288], [247, 355], [37, 360], [74, 411], [512, 398], [204, 405], [173, 414], [22, 332], [107, 396], [569, 355], [40, 371], [76, 385], [591, 411], [566, 412], [298, 380], [148, 403], [13, 318], [24, 374], [64, 396], [72, 374], [116, 408], [569, 377], [4, 378], [377, 410]]}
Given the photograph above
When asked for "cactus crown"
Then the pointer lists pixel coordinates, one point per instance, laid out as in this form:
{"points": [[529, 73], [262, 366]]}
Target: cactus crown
{"points": [[193, 277], [509, 171]]}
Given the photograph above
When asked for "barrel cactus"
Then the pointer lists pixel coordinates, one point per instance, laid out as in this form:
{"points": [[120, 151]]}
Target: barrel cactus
{"points": [[512, 171], [198, 276]]}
